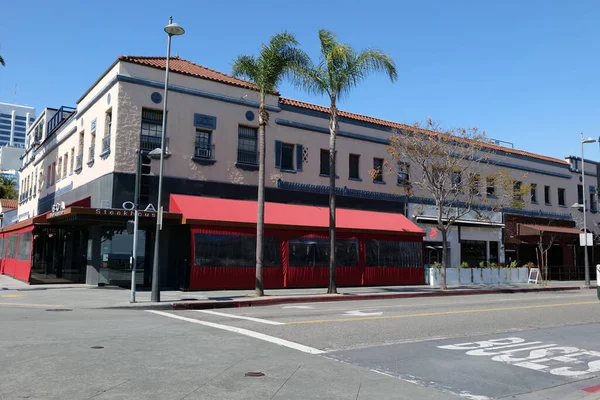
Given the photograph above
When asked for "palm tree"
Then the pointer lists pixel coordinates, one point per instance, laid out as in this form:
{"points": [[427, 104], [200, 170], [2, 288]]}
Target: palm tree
{"points": [[339, 70], [276, 60], [2, 61], [8, 188]]}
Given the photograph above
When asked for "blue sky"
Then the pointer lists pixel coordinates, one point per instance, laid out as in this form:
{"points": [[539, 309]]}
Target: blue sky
{"points": [[525, 71]]}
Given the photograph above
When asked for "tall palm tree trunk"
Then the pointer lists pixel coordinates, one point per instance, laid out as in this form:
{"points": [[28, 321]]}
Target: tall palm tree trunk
{"points": [[333, 117], [263, 120]]}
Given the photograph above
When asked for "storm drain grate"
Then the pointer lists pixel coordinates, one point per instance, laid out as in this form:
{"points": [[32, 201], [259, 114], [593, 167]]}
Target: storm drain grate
{"points": [[97, 347], [254, 374]]}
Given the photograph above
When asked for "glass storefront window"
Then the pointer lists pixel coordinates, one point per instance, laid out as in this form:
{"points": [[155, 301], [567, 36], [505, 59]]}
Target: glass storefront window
{"points": [[24, 252], [2, 246], [11, 250], [473, 252], [314, 252], [388, 253], [116, 252], [217, 250], [494, 252]]}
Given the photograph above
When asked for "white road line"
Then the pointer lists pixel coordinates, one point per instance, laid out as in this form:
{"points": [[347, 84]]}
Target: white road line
{"points": [[262, 321], [246, 332]]}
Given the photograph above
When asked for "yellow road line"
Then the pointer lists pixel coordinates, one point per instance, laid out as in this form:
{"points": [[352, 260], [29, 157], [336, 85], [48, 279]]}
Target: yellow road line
{"points": [[14, 295], [432, 314]]}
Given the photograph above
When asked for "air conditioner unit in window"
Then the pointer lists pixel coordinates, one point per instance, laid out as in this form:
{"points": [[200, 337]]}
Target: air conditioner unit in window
{"points": [[202, 152]]}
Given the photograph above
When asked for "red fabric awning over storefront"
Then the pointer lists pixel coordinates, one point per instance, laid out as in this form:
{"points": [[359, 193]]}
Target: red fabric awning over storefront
{"points": [[213, 211]]}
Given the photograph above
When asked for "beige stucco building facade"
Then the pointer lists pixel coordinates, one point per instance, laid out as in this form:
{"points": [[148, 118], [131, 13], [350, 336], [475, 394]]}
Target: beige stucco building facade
{"points": [[89, 153]]}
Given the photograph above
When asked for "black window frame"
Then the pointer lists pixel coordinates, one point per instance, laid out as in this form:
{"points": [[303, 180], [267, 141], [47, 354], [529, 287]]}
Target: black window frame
{"points": [[203, 147], [324, 162], [287, 156], [247, 145], [547, 195], [456, 180], [580, 193], [562, 195], [403, 173], [490, 187], [533, 193], [378, 166], [354, 168], [517, 189]]}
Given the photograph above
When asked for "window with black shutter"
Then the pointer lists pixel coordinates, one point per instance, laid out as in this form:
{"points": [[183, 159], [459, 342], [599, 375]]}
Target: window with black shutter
{"points": [[324, 162], [354, 161], [378, 167]]}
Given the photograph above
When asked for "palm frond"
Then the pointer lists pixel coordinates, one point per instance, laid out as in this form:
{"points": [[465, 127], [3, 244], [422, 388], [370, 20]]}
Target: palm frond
{"points": [[360, 65], [276, 60], [312, 79], [2, 61], [245, 67]]}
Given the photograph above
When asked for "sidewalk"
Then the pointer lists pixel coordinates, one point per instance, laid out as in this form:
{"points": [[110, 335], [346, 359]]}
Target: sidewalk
{"points": [[14, 292]]}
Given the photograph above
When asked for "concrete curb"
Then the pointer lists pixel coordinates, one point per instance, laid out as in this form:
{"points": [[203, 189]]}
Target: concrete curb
{"points": [[266, 301]]}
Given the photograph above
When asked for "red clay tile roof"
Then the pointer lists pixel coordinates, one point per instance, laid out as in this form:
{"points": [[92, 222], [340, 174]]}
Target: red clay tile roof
{"points": [[186, 67], [396, 125], [8, 203]]}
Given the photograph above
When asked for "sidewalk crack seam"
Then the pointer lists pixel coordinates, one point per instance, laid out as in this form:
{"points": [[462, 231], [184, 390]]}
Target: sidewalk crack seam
{"points": [[286, 381], [219, 374], [358, 394]]}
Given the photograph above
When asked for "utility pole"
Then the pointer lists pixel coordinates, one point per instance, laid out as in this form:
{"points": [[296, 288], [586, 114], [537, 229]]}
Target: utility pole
{"points": [[136, 202]]}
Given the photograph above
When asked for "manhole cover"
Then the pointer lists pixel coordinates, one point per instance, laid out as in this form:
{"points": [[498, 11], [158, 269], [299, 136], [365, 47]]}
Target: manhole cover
{"points": [[59, 309], [97, 347], [253, 374]]}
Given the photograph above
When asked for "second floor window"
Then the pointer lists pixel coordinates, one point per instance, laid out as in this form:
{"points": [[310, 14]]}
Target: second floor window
{"points": [[517, 190], [378, 167], [324, 166], [354, 162], [59, 170], [456, 179], [285, 153], [490, 187], [547, 195], [247, 145], [203, 144], [474, 182], [579, 194], [561, 197], [403, 173], [534, 193], [151, 134]]}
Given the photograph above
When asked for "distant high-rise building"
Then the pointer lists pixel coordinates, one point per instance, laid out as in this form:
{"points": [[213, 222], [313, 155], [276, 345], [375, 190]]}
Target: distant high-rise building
{"points": [[14, 123]]}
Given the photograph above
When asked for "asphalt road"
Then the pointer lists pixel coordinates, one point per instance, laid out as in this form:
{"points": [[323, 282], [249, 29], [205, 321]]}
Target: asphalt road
{"points": [[517, 346], [412, 339]]}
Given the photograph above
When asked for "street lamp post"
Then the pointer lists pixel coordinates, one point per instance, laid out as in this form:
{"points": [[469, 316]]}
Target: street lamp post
{"points": [[585, 241], [172, 29]]}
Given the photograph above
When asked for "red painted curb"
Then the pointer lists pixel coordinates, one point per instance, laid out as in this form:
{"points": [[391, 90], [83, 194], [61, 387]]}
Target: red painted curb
{"points": [[355, 297], [592, 389]]}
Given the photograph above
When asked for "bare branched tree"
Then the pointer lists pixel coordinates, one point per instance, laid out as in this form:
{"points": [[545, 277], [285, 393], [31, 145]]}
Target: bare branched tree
{"points": [[458, 169]]}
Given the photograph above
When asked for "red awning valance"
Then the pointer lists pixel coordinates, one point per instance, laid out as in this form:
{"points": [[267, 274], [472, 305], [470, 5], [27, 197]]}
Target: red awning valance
{"points": [[206, 210]]}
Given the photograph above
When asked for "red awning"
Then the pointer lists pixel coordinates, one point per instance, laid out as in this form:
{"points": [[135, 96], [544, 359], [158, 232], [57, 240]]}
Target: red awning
{"points": [[206, 210]]}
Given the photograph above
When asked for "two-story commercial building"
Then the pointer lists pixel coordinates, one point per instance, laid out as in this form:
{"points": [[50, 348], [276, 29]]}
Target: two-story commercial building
{"points": [[78, 179]]}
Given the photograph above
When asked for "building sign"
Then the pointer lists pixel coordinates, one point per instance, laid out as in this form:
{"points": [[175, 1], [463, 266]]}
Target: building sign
{"points": [[127, 210], [58, 206]]}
